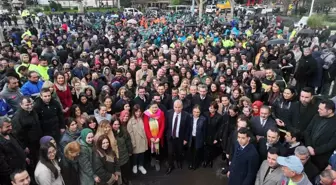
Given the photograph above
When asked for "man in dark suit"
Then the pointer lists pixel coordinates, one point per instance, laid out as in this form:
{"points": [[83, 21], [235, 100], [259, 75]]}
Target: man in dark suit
{"points": [[261, 124], [186, 102], [203, 100], [141, 99], [304, 110], [320, 135], [245, 161], [272, 140], [166, 99], [177, 133]]}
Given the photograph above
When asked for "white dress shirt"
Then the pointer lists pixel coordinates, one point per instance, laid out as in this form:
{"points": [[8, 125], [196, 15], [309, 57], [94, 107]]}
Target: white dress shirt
{"points": [[194, 126], [263, 122], [178, 124]]}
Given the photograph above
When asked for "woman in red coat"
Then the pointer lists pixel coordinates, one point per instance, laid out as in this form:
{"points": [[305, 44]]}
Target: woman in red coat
{"points": [[63, 92], [154, 124]]}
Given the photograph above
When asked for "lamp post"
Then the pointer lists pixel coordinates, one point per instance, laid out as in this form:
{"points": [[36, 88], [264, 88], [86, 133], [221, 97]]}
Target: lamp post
{"points": [[311, 8]]}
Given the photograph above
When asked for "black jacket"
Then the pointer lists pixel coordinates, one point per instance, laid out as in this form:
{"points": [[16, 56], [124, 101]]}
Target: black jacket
{"points": [[12, 157], [204, 104], [69, 171], [50, 116], [321, 135], [26, 127], [282, 109], [143, 104], [302, 115], [213, 126], [262, 149], [104, 168], [306, 70]]}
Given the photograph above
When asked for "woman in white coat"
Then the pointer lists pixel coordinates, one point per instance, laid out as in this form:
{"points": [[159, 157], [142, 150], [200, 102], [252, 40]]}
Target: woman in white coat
{"points": [[47, 171]]}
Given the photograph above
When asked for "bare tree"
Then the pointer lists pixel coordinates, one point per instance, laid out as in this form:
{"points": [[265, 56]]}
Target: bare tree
{"points": [[232, 3]]}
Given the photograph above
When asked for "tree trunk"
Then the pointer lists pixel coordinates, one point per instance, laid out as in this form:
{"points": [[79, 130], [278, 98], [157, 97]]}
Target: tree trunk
{"points": [[200, 9], [80, 7]]}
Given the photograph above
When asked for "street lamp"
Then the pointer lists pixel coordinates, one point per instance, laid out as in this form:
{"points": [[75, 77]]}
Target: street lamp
{"points": [[311, 8]]}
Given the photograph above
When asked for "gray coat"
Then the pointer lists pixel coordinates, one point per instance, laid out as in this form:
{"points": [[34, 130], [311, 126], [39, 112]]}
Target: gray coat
{"points": [[271, 179], [86, 174]]}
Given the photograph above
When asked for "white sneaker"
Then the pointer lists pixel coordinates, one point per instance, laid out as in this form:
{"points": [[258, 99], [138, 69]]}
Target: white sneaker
{"points": [[142, 169], [135, 169]]}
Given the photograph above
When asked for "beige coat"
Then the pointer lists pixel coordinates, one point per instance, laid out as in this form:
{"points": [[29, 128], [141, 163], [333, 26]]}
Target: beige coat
{"points": [[139, 74], [135, 128]]}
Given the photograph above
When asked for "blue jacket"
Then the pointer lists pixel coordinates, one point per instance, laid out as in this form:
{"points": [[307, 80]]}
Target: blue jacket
{"points": [[5, 109], [200, 132], [244, 165], [31, 89], [80, 72]]}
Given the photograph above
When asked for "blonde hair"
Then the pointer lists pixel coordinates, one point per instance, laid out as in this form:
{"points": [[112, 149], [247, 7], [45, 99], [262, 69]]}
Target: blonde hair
{"points": [[71, 148], [47, 84], [100, 131]]}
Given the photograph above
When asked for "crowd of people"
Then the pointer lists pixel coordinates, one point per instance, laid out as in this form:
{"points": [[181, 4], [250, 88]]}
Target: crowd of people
{"points": [[85, 106]]}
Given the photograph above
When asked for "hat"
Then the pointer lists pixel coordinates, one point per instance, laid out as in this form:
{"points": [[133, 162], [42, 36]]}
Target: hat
{"points": [[292, 162], [45, 140]]}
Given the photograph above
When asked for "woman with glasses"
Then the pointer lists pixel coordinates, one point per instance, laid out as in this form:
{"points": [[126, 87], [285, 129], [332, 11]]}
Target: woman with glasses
{"points": [[47, 171]]}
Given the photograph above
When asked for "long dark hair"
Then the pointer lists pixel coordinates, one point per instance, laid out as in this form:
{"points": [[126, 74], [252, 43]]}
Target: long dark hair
{"points": [[109, 151], [45, 160]]}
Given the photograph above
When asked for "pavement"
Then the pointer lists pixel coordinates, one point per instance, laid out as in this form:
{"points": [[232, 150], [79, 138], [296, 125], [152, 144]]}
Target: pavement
{"points": [[201, 176]]}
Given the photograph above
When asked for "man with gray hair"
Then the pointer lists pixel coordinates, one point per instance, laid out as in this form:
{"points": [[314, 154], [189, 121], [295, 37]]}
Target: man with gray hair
{"points": [[178, 123], [11, 151], [309, 168]]}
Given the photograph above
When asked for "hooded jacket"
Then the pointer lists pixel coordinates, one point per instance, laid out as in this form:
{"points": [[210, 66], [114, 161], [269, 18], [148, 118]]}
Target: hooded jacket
{"points": [[12, 97]]}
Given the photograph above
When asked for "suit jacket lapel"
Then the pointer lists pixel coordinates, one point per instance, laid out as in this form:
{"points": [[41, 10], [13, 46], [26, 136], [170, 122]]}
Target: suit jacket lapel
{"points": [[273, 174]]}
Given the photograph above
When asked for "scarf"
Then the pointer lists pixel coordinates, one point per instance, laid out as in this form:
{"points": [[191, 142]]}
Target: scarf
{"points": [[61, 87], [154, 128]]}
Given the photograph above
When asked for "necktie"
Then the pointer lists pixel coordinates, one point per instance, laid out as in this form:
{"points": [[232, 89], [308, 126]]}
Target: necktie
{"points": [[175, 126], [263, 122]]}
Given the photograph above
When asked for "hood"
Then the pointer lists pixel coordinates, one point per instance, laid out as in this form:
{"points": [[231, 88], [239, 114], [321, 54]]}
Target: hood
{"points": [[92, 89], [55, 58]]}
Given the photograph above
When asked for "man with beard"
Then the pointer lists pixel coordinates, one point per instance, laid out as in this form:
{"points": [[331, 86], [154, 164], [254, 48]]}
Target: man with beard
{"points": [[12, 154], [182, 94], [306, 70], [50, 114], [270, 171], [320, 135], [304, 110], [26, 127], [11, 92]]}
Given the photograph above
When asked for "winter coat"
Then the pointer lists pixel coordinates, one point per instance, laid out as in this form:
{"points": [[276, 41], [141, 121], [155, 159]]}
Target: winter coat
{"points": [[26, 127], [44, 176], [65, 98], [50, 116], [70, 171], [12, 97], [31, 89], [124, 145], [68, 137], [86, 173], [306, 70], [136, 130], [80, 72], [105, 168], [12, 157]]}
